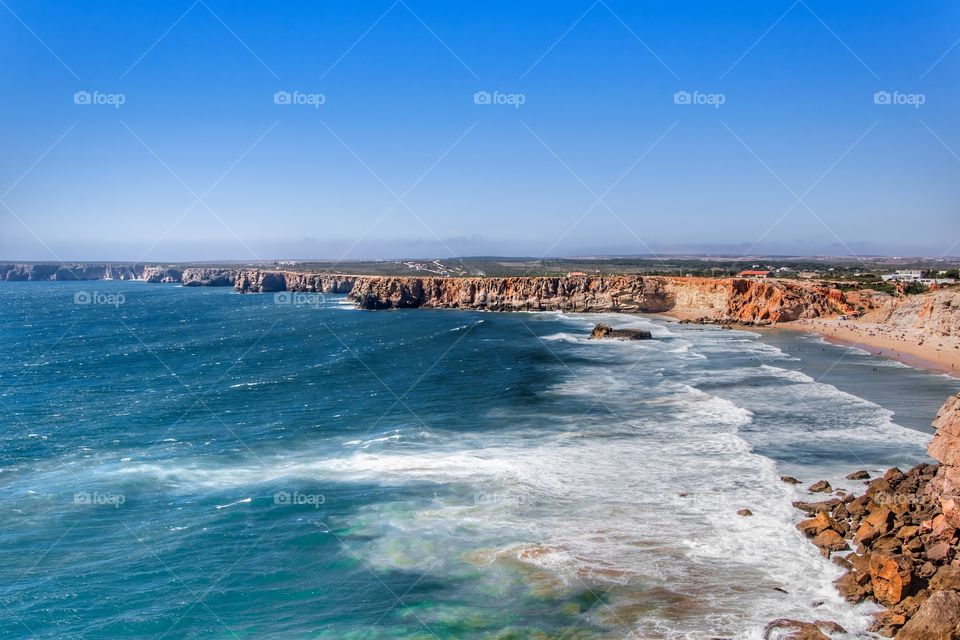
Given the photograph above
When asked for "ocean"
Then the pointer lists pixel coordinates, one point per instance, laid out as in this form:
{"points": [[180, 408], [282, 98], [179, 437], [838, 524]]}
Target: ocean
{"points": [[195, 463]]}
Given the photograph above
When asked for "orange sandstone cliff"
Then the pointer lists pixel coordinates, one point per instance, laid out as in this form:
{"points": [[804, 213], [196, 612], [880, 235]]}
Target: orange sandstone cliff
{"points": [[707, 299], [731, 300], [945, 449]]}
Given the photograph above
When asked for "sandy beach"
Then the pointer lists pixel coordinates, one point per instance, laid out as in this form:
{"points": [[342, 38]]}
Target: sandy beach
{"points": [[939, 353]]}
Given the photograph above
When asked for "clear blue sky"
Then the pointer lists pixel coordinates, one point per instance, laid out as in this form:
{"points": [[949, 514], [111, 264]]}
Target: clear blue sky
{"points": [[399, 160]]}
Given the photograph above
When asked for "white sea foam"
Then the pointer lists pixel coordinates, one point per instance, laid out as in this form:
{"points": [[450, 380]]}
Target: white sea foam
{"points": [[249, 384], [233, 504], [637, 498], [649, 516]]}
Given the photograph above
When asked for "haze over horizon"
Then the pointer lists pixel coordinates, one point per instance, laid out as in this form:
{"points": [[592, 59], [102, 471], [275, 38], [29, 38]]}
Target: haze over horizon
{"points": [[206, 130]]}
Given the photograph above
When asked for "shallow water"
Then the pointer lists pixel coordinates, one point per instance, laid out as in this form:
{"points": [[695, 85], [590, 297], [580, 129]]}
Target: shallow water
{"points": [[197, 463]]}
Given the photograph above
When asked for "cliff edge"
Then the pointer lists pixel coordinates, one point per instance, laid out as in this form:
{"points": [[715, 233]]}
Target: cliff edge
{"points": [[731, 300]]}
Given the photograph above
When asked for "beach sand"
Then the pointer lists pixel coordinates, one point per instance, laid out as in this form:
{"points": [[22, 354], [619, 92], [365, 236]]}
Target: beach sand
{"points": [[938, 353]]}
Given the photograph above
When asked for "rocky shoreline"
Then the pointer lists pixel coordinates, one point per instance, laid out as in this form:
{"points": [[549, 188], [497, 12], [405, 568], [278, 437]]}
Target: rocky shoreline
{"points": [[898, 542]]}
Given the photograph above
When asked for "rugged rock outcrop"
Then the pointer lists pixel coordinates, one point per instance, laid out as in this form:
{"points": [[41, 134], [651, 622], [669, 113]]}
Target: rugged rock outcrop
{"points": [[905, 531], [945, 448], [936, 619], [161, 274], [606, 332], [786, 629], [208, 277], [731, 300]]}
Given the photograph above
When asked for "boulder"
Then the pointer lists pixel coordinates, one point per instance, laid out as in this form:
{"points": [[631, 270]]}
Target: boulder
{"points": [[946, 577], [790, 480], [829, 626], [940, 552], [830, 540], [606, 332], [850, 588], [817, 507], [886, 622], [937, 619], [816, 525], [744, 512], [874, 525], [820, 487], [909, 605], [859, 475], [786, 629], [891, 578]]}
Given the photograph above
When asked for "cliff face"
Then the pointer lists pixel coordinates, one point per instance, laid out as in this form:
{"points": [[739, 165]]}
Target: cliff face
{"points": [[615, 293], [936, 313], [725, 300], [192, 276], [160, 274], [945, 448], [260, 281], [207, 277], [70, 272]]}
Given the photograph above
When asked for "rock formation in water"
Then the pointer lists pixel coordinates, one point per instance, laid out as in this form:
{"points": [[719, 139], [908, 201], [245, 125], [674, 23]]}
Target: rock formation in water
{"points": [[606, 332]]}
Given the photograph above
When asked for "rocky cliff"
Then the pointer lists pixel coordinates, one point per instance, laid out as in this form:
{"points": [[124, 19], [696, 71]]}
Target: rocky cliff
{"points": [[936, 313], [190, 276], [160, 274], [262, 281], [58, 271], [713, 300], [904, 533], [208, 277], [945, 449]]}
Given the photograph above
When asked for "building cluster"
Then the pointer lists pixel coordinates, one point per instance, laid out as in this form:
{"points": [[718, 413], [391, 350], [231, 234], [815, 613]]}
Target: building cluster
{"points": [[916, 275]]}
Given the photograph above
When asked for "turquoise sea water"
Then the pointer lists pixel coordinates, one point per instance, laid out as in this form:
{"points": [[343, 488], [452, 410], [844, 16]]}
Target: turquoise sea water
{"points": [[194, 463]]}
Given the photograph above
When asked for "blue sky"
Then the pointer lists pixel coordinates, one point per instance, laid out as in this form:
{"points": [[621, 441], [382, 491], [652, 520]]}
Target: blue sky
{"points": [[777, 144]]}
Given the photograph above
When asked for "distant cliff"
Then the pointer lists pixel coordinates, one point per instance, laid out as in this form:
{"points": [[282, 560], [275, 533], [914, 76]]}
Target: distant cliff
{"points": [[261, 281], [710, 300], [189, 276], [58, 271]]}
